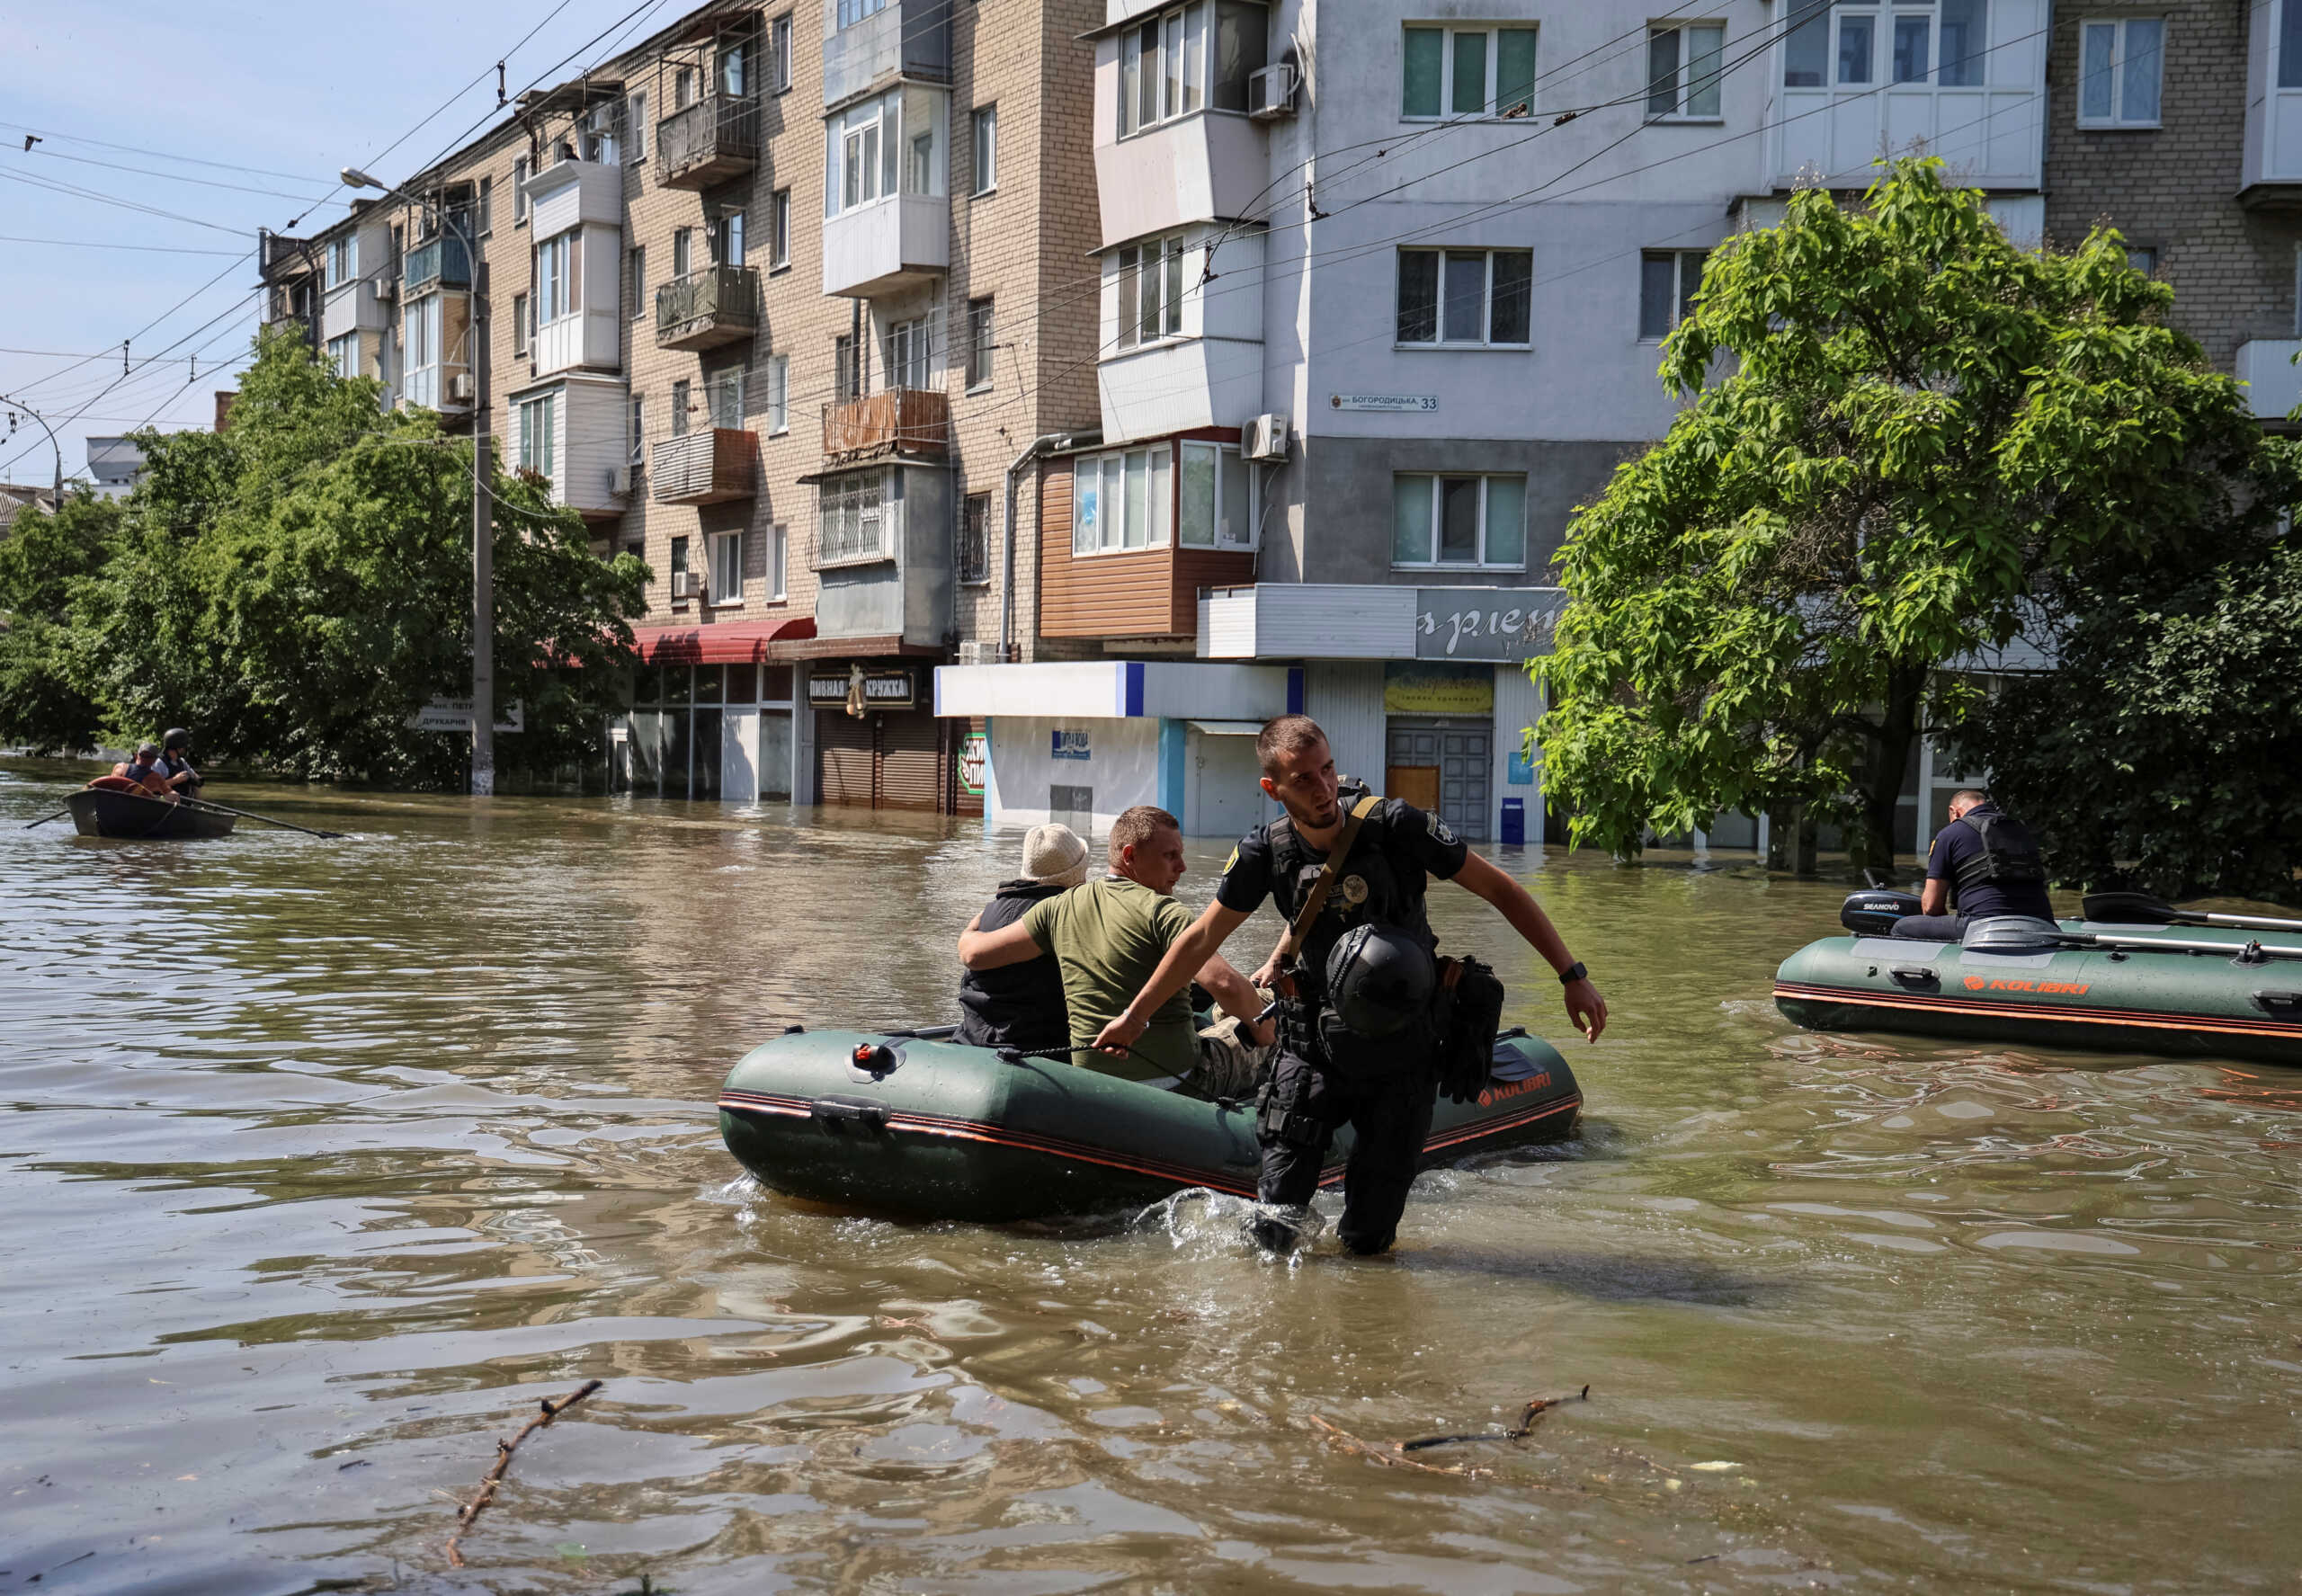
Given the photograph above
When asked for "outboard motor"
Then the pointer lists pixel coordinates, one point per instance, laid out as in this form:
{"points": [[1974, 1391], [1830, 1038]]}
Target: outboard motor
{"points": [[1873, 911]]}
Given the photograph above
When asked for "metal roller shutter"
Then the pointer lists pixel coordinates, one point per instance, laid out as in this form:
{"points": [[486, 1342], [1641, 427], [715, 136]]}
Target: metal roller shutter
{"points": [[843, 763], [911, 765]]}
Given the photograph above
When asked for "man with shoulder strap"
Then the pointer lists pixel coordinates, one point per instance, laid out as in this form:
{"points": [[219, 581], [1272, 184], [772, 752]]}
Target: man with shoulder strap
{"points": [[1333, 868], [1984, 860]]}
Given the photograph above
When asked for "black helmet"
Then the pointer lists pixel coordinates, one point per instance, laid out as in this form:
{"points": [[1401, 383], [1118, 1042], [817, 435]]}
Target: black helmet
{"points": [[1379, 979], [177, 737]]}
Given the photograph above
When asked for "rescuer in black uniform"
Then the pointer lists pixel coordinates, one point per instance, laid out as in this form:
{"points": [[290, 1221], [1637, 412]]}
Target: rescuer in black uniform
{"points": [[1985, 861], [1351, 1050]]}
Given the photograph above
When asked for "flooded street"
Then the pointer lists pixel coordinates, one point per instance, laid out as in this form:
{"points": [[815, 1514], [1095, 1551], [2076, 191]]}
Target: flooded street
{"points": [[323, 1161]]}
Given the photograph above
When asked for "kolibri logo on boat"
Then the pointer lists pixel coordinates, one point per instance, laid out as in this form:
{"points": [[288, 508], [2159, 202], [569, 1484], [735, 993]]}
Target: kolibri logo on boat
{"points": [[2071, 988], [1494, 1095]]}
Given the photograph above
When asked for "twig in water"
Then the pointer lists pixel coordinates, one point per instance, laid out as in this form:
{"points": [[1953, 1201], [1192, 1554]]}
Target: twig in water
{"points": [[1390, 1456], [503, 1450], [1534, 1409]]}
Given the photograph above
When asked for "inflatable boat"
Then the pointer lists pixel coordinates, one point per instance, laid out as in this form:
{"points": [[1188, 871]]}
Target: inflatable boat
{"points": [[2160, 980], [911, 1123]]}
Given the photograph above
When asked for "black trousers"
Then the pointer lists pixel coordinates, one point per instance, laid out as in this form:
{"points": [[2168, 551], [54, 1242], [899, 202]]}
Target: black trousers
{"points": [[1391, 1117]]}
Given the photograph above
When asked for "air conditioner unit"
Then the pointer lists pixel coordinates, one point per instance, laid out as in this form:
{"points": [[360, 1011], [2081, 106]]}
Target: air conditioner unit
{"points": [[460, 389], [1271, 92], [684, 585], [619, 480], [976, 652], [1264, 439], [387, 287]]}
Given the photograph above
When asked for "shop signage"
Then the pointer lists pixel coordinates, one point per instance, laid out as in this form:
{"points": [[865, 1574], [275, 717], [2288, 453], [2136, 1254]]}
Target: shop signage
{"points": [[1483, 622], [454, 715], [1392, 403], [1522, 773], [888, 687], [975, 753], [1416, 687], [1070, 746]]}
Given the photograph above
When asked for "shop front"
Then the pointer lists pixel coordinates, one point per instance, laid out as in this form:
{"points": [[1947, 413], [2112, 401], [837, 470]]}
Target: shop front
{"points": [[878, 743], [712, 715]]}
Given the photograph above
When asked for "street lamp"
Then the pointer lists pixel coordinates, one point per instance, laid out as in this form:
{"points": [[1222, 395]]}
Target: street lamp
{"points": [[52, 443]]}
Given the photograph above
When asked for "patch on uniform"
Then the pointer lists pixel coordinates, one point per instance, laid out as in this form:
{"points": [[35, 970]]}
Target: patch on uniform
{"points": [[1231, 863], [1440, 832], [1352, 891]]}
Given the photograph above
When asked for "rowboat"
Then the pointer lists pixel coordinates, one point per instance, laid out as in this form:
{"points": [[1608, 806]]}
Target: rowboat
{"points": [[100, 812]]}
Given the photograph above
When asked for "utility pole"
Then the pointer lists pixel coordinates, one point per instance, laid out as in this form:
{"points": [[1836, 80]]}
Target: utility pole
{"points": [[482, 554]]}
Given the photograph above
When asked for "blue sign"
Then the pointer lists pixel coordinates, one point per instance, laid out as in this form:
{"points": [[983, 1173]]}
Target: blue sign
{"points": [[1071, 746], [1522, 773]]}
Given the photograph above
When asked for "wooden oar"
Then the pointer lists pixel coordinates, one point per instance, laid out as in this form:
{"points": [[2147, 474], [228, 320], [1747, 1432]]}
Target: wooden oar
{"points": [[252, 814], [2140, 908], [44, 819]]}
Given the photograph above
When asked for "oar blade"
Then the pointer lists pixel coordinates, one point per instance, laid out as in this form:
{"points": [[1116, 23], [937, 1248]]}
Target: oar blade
{"points": [[2129, 908]]}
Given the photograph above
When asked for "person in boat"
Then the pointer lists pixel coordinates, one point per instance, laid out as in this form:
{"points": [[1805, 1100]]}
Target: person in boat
{"points": [[1107, 937], [1329, 1071], [1984, 863], [176, 763], [1022, 1005], [143, 770]]}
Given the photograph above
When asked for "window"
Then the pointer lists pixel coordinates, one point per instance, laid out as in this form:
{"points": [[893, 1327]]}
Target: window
{"points": [[1170, 67], [420, 337], [847, 380], [1459, 521], [852, 520], [1466, 296], [1684, 70], [1123, 501], [634, 428], [734, 70], [728, 568], [343, 354], [728, 238], [1467, 72], [778, 229], [2142, 259], [904, 353], [342, 260], [986, 148], [861, 153], [979, 345], [522, 324], [683, 88], [600, 135], [2290, 45], [851, 12], [484, 207], [2119, 72], [559, 290], [538, 434], [1667, 279], [723, 399], [973, 555], [778, 395], [635, 278], [520, 192], [1150, 291], [683, 251], [779, 546], [679, 568], [635, 119], [1211, 498], [681, 390], [778, 56]]}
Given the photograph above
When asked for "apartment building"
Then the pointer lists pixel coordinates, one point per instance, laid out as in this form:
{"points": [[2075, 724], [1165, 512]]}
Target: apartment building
{"points": [[2181, 125], [780, 299], [1382, 291]]}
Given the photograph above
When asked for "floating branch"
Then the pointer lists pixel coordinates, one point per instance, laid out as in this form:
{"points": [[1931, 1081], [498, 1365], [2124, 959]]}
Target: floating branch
{"points": [[503, 1450]]}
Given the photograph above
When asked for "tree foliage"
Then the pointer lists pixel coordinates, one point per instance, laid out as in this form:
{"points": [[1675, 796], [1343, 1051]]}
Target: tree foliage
{"points": [[1903, 429], [42, 704], [296, 587]]}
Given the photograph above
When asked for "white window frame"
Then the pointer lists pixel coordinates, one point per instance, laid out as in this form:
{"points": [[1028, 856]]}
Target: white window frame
{"points": [[343, 354], [1114, 473], [778, 395], [1173, 54], [850, 11], [984, 122], [779, 563], [1439, 340], [907, 353], [1438, 530], [862, 153], [727, 558], [779, 54], [636, 430], [539, 436], [1687, 84], [635, 121], [523, 324], [1163, 303], [1681, 291], [520, 192], [1230, 468], [600, 135], [635, 268], [1490, 90], [558, 291], [779, 230], [342, 260], [982, 327], [421, 330], [2121, 30]]}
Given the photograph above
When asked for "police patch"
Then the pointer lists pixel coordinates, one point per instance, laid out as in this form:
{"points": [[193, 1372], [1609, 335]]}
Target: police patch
{"points": [[1351, 890], [1439, 832], [1231, 863]]}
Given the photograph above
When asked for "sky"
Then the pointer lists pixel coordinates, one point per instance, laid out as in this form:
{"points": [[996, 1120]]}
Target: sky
{"points": [[272, 98]]}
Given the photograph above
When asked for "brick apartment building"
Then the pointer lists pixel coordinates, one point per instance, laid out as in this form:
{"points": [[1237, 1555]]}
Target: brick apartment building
{"points": [[776, 299]]}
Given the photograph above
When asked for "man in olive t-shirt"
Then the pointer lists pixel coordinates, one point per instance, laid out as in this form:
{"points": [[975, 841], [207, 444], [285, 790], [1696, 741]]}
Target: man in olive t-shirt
{"points": [[1107, 937]]}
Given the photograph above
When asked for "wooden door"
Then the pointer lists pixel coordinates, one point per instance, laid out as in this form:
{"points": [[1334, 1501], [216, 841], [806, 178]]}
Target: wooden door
{"points": [[1413, 784]]}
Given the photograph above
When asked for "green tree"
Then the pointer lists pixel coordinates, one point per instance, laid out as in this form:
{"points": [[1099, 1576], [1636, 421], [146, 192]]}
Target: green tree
{"points": [[296, 587], [44, 560], [1903, 428]]}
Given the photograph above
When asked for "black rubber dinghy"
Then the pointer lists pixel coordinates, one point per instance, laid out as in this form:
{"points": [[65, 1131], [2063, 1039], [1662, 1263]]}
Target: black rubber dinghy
{"points": [[918, 1126]]}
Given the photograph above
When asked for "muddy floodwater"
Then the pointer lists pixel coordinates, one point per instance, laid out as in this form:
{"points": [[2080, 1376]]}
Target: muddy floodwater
{"points": [[323, 1161]]}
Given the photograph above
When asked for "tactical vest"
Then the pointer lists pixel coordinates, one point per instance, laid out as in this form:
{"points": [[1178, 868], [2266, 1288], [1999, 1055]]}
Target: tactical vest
{"points": [[2009, 858], [1370, 889], [1016, 1005]]}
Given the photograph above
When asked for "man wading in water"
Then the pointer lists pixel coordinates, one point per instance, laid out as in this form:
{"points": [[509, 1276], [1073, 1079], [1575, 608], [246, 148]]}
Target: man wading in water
{"points": [[1330, 1070]]}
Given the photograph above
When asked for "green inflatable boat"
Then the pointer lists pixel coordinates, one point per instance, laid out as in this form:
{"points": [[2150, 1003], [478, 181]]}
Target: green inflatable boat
{"points": [[912, 1123], [2121, 980]]}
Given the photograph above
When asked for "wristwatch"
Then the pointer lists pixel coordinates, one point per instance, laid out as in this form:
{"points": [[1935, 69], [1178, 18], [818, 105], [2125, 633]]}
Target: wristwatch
{"points": [[1573, 972]]}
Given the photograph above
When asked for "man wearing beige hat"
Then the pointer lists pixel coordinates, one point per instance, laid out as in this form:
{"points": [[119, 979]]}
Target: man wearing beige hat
{"points": [[1020, 1005]]}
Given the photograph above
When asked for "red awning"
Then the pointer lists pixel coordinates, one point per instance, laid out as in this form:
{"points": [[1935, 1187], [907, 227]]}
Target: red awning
{"points": [[732, 643]]}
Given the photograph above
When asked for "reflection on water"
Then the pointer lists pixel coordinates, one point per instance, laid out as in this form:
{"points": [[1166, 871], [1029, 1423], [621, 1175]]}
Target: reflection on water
{"points": [[323, 1160]]}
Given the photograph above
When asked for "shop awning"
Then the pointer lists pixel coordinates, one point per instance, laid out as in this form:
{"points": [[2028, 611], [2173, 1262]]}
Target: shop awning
{"points": [[1228, 728], [731, 643]]}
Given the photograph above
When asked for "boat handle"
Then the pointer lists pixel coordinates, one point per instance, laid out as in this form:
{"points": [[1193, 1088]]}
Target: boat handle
{"points": [[1915, 976], [2285, 1004], [862, 1111]]}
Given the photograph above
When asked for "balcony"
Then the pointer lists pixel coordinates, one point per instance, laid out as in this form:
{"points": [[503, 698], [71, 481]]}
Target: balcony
{"points": [[712, 140], [711, 467], [1197, 168], [717, 305], [899, 243], [444, 261], [911, 38], [899, 420], [2273, 381]]}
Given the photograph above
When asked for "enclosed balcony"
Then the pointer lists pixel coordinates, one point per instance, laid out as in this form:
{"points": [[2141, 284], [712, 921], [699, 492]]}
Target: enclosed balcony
{"points": [[441, 262], [899, 420], [712, 140], [710, 466], [2273, 381], [717, 305]]}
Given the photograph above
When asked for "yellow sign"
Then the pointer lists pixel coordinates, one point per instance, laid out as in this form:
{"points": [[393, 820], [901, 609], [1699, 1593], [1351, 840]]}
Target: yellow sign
{"points": [[1420, 689]]}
